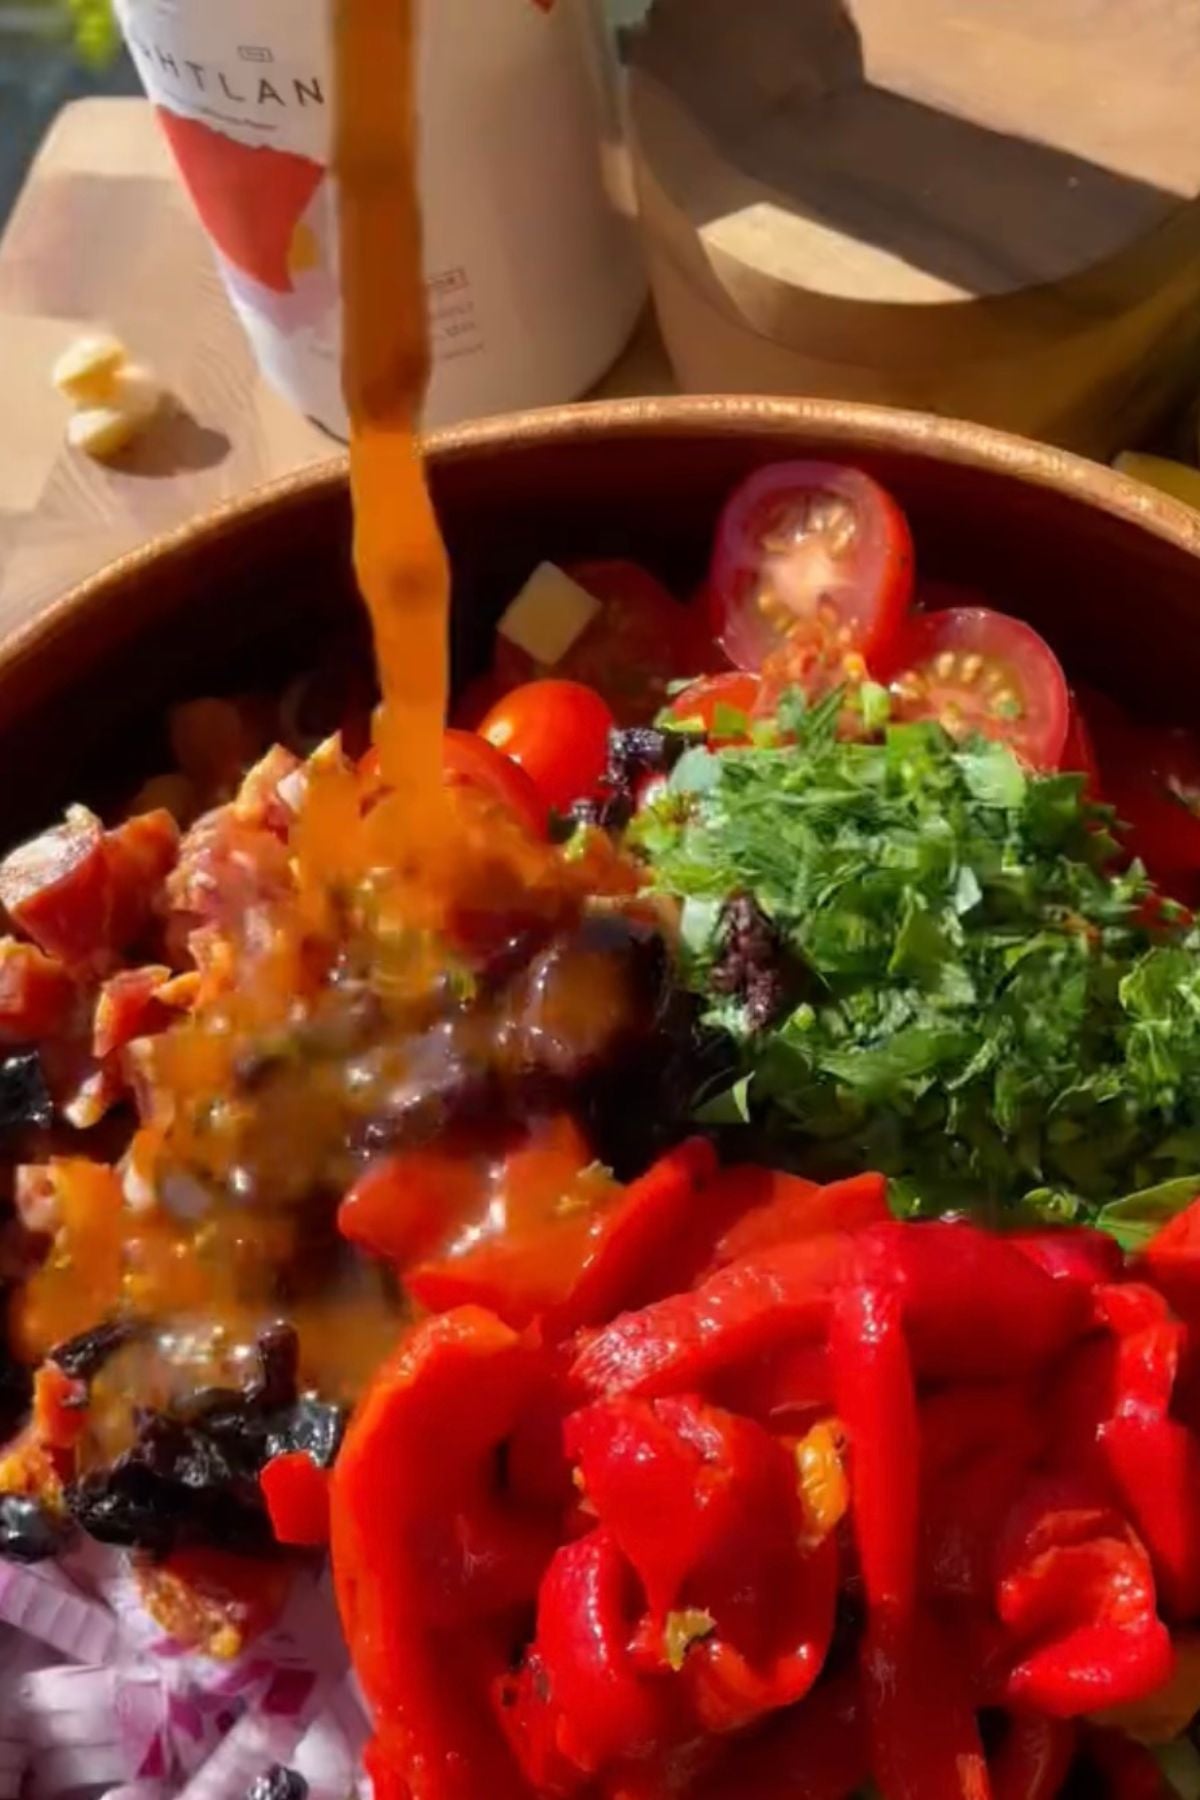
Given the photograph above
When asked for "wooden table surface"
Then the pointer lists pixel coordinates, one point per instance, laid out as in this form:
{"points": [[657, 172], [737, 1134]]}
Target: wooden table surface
{"points": [[104, 234]]}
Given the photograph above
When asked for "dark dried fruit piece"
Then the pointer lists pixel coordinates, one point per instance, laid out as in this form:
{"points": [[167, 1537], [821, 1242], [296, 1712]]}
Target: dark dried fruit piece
{"points": [[24, 1096], [83, 1357], [29, 1533], [753, 965], [279, 1361], [278, 1783]]}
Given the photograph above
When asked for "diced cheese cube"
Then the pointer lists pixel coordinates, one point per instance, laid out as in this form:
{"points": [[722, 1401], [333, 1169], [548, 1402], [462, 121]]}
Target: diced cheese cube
{"points": [[548, 615]]}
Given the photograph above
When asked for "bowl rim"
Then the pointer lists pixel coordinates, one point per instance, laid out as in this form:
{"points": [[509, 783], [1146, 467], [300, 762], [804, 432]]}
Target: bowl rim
{"points": [[859, 426]]}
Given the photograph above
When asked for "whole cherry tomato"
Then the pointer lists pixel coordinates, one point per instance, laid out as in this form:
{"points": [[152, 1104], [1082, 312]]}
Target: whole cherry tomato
{"points": [[557, 732]]}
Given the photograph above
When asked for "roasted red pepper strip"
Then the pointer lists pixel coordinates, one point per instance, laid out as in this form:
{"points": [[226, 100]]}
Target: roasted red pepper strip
{"points": [[1171, 1261], [1034, 1758], [607, 1709], [680, 1485], [297, 1495], [1076, 1588], [576, 1265], [778, 1209], [817, 1751], [771, 1635], [875, 1400], [705, 1507], [975, 1307], [1154, 1465], [419, 1532], [745, 1308], [924, 1737], [1072, 1253]]}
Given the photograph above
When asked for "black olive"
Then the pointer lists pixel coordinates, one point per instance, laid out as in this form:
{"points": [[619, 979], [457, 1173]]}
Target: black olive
{"points": [[84, 1356], [278, 1783], [24, 1096], [28, 1532]]}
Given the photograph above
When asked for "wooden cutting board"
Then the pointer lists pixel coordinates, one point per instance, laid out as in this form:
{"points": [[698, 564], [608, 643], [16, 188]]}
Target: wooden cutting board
{"points": [[104, 234]]}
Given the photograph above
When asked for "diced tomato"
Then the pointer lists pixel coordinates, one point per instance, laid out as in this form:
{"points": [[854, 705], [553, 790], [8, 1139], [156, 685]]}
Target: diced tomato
{"points": [[974, 670], [641, 640], [141, 854], [55, 888], [557, 732], [129, 1006], [36, 993], [812, 563], [60, 1404], [736, 691], [259, 801], [297, 1495]]}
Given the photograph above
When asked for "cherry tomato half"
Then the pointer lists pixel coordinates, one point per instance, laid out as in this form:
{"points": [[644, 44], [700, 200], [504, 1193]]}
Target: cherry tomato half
{"points": [[977, 670], [472, 761], [813, 561], [557, 732], [737, 690]]}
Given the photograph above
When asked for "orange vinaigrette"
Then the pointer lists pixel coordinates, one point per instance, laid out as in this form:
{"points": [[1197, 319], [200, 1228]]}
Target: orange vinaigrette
{"points": [[351, 981]]}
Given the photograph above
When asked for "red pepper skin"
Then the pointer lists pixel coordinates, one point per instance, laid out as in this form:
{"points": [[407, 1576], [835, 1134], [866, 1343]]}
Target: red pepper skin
{"points": [[1075, 1587], [876, 1402], [582, 1268], [1171, 1262], [975, 1307], [1034, 1759], [608, 1710], [786, 1208], [770, 1658], [781, 1387], [1154, 1465], [748, 1307], [413, 1515], [924, 1737], [297, 1495], [1072, 1253], [1093, 1668], [978, 1444], [817, 1751], [678, 1484]]}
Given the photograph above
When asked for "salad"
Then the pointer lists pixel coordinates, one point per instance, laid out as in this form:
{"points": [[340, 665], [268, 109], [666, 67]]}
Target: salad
{"points": [[700, 1265]]}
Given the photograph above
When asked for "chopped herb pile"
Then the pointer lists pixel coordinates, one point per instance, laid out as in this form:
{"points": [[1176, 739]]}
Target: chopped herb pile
{"points": [[980, 1002]]}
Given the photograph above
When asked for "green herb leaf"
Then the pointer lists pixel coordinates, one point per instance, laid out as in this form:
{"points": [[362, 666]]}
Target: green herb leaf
{"points": [[989, 1018], [1139, 1217]]}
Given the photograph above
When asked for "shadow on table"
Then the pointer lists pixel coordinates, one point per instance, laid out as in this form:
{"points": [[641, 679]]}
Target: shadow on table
{"points": [[176, 444]]}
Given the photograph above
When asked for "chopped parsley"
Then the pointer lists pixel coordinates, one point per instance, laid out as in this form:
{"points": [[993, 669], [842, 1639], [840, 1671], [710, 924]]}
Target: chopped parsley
{"points": [[979, 1002]]}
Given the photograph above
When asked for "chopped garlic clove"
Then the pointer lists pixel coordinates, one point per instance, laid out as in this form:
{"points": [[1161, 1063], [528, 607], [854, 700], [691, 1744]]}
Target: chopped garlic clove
{"points": [[548, 615], [87, 369], [104, 431]]}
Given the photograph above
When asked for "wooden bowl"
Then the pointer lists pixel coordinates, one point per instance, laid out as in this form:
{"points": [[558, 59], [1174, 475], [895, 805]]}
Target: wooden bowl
{"points": [[1107, 569]]}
